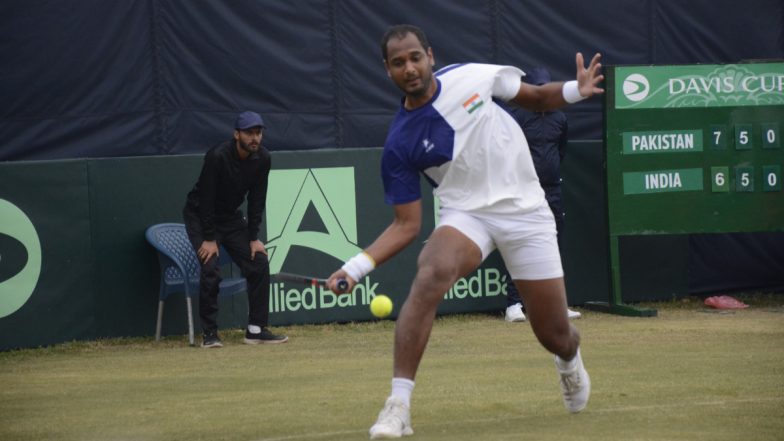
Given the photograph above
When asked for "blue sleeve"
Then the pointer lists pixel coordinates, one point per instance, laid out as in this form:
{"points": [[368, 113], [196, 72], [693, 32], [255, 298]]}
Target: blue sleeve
{"points": [[401, 180]]}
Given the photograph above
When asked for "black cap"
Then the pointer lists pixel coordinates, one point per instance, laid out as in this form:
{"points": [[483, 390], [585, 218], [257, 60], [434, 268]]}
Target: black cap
{"points": [[248, 119]]}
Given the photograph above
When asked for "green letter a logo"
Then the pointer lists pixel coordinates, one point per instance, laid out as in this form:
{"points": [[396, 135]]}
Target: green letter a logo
{"points": [[295, 194]]}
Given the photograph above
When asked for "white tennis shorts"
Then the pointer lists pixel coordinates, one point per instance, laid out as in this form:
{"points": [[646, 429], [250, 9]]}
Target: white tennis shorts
{"points": [[528, 242]]}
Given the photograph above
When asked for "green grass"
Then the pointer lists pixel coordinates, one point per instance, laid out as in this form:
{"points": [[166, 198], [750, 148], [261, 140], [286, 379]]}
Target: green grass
{"points": [[688, 374]]}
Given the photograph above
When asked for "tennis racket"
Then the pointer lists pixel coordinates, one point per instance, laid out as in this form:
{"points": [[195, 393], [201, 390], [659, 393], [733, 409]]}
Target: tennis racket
{"points": [[309, 280]]}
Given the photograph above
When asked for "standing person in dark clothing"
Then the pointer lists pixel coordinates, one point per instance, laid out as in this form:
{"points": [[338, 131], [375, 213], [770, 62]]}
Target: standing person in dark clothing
{"points": [[232, 170], [546, 133]]}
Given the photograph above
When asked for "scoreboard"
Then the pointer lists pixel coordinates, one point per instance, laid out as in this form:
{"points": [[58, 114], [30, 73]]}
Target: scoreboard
{"points": [[692, 149]]}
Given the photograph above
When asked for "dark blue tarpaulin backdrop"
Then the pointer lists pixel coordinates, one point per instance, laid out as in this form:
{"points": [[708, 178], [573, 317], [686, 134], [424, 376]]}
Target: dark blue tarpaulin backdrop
{"points": [[91, 78]]}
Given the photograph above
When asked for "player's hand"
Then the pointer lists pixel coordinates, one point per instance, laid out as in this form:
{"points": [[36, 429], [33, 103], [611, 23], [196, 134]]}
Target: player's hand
{"points": [[207, 250], [256, 247], [588, 79], [332, 282]]}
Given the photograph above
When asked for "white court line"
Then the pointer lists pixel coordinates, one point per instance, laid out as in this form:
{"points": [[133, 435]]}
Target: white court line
{"points": [[686, 403], [315, 436], [305, 436]]}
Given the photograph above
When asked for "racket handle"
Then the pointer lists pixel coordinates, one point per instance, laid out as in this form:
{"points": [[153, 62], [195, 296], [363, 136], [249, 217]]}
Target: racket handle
{"points": [[342, 285]]}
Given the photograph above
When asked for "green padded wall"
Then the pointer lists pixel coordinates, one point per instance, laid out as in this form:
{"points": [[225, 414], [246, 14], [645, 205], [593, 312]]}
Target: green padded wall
{"points": [[95, 275]]}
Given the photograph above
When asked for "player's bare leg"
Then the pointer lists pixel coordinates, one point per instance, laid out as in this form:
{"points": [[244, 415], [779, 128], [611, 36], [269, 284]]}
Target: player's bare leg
{"points": [[447, 256], [545, 302]]}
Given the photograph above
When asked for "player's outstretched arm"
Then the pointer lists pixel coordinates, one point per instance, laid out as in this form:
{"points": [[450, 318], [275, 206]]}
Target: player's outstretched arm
{"points": [[558, 94], [399, 234]]}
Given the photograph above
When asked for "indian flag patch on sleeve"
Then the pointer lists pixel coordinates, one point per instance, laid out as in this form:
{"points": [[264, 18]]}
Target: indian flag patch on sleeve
{"points": [[473, 103]]}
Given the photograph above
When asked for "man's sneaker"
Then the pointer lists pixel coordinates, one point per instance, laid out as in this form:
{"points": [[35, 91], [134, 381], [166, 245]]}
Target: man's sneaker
{"points": [[211, 340], [575, 385], [394, 421], [573, 314], [264, 337], [514, 313]]}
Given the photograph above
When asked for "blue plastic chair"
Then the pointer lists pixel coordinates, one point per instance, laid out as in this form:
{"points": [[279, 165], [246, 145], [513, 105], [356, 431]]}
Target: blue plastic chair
{"points": [[180, 270]]}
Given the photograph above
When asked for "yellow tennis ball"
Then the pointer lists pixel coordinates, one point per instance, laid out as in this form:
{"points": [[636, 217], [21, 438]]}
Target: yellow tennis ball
{"points": [[381, 306]]}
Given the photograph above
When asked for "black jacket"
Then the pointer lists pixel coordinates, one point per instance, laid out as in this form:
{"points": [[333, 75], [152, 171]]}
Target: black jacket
{"points": [[223, 184], [546, 133]]}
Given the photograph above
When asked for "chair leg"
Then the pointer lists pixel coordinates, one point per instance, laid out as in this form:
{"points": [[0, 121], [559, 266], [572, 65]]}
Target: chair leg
{"points": [[190, 321], [160, 320]]}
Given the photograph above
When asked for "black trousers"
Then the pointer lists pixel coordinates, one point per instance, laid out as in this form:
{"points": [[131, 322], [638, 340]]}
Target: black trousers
{"points": [[233, 236]]}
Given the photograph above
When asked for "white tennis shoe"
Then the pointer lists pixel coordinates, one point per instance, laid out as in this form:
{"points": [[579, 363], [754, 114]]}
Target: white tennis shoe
{"points": [[573, 314], [575, 385], [394, 421], [514, 313]]}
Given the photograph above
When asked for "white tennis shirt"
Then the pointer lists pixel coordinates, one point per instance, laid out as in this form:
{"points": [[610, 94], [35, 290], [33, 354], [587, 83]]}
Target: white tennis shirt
{"points": [[469, 148]]}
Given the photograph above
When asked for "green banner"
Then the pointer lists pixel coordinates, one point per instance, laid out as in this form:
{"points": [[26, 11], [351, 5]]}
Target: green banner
{"points": [[323, 209], [46, 268], [100, 278], [710, 85]]}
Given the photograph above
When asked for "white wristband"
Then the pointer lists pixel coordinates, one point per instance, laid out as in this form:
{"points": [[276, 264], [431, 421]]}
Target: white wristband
{"points": [[359, 266], [571, 92]]}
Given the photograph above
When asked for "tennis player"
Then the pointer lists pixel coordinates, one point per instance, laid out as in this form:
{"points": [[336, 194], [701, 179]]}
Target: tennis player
{"points": [[475, 155]]}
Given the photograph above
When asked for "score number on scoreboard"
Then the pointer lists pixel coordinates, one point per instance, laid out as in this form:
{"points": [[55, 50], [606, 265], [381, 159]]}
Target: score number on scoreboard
{"points": [[740, 137]]}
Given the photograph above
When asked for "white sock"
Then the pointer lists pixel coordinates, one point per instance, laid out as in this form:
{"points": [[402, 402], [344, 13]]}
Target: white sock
{"points": [[402, 388], [564, 365], [253, 329]]}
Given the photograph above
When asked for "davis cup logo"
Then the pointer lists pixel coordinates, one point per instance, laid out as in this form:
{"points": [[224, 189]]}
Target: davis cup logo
{"points": [[636, 87]]}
